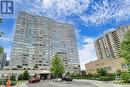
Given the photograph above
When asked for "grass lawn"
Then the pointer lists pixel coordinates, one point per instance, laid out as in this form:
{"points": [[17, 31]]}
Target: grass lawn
{"points": [[21, 81], [121, 82]]}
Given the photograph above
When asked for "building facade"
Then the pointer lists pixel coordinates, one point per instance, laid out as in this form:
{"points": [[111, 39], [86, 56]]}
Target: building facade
{"points": [[109, 45], [107, 48], [37, 39], [3, 59], [110, 65]]}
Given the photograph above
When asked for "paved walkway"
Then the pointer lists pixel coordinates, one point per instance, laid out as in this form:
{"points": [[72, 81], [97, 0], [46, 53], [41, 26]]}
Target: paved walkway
{"points": [[75, 83], [104, 84]]}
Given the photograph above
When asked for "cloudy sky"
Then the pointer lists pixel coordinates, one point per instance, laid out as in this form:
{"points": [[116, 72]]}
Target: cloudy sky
{"points": [[91, 19]]}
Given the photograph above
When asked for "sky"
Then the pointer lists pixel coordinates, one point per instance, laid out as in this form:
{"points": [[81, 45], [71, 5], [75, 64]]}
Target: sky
{"points": [[90, 18]]}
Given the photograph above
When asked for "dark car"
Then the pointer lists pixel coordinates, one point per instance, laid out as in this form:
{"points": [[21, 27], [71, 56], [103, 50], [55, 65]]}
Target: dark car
{"points": [[34, 80], [67, 79]]}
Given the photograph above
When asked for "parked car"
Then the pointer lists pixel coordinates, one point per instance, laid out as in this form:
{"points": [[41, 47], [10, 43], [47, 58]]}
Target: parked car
{"points": [[34, 80], [67, 79]]}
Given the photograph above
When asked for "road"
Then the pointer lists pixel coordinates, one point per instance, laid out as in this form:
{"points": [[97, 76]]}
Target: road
{"points": [[75, 83], [58, 84]]}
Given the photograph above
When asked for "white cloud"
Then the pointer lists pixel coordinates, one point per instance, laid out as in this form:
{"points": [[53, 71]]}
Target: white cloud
{"points": [[8, 51], [6, 39], [47, 3], [65, 7], [87, 52], [108, 10], [108, 30], [89, 11]]}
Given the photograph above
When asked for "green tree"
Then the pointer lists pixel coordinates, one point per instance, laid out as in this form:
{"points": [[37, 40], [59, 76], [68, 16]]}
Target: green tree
{"points": [[125, 77], [26, 75], [12, 78], [57, 67], [20, 77], [102, 72], [67, 74], [125, 48], [1, 34], [1, 51], [1, 48]]}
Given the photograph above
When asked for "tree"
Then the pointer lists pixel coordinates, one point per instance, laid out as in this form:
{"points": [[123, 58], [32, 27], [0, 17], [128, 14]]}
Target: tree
{"points": [[1, 34], [125, 77], [1, 48], [20, 77], [67, 74], [125, 48], [1, 51], [26, 75], [12, 78], [102, 72], [57, 67]]}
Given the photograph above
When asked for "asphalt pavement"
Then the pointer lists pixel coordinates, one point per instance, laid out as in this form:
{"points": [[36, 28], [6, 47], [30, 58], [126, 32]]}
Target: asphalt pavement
{"points": [[74, 83]]}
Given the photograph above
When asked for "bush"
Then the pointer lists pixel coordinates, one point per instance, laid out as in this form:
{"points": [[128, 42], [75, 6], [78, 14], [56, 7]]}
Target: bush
{"points": [[26, 75], [0, 82], [20, 77], [4, 81], [106, 78], [102, 72], [125, 77], [13, 83], [12, 78], [14, 69]]}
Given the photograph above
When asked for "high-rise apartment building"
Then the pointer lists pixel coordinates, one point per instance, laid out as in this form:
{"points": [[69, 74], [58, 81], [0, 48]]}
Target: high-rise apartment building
{"points": [[109, 45], [107, 48], [37, 39]]}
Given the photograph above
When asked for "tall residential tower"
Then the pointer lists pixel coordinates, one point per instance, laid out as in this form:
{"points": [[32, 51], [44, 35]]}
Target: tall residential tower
{"points": [[107, 48], [37, 39], [109, 45]]}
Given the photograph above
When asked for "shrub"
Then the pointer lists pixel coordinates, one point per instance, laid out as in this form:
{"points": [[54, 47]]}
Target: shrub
{"points": [[12, 78], [102, 72], [20, 77], [96, 75], [26, 75], [106, 78], [0, 82], [125, 77], [13, 83], [14, 69], [4, 81]]}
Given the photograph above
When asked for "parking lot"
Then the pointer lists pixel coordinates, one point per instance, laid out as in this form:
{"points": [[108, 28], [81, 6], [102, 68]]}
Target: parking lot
{"points": [[49, 83]]}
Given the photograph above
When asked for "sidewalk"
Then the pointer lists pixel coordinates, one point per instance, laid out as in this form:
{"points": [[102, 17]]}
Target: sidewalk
{"points": [[20, 85], [104, 84]]}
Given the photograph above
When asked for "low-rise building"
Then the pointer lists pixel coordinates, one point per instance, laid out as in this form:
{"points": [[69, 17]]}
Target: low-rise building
{"points": [[110, 65]]}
